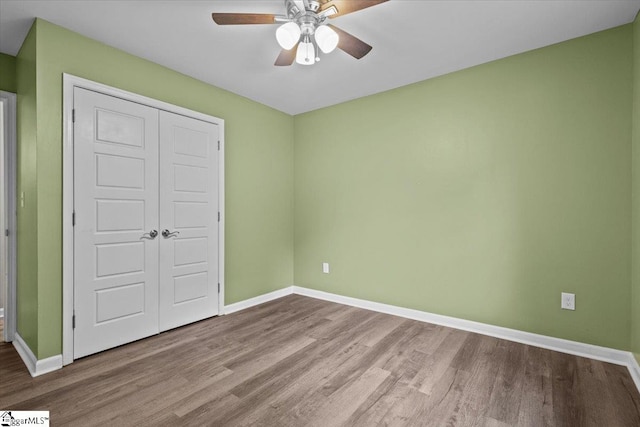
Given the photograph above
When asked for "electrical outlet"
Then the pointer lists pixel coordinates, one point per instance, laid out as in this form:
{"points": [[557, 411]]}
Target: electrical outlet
{"points": [[325, 267], [568, 301]]}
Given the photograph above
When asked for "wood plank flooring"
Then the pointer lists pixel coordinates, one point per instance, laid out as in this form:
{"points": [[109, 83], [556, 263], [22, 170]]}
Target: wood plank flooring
{"points": [[298, 361]]}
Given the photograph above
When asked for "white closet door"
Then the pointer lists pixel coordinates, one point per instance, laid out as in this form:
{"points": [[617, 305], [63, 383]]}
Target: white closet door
{"points": [[116, 208], [189, 212]]}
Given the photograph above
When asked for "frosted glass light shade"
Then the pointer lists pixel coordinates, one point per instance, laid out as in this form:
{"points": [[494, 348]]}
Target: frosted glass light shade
{"points": [[326, 38], [306, 54], [288, 35]]}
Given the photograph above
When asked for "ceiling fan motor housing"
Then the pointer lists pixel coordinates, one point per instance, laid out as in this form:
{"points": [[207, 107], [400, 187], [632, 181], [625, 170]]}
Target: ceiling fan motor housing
{"points": [[308, 20], [293, 9]]}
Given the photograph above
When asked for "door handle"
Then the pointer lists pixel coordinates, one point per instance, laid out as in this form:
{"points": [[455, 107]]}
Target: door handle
{"points": [[166, 233], [152, 234]]}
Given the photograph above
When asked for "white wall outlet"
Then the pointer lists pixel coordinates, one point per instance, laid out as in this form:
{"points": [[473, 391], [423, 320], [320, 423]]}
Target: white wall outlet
{"points": [[568, 301], [325, 267]]}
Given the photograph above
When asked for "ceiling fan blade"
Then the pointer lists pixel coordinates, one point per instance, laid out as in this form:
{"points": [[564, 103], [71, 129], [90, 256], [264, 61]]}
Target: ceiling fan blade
{"points": [[286, 57], [243, 18], [347, 6], [351, 44]]}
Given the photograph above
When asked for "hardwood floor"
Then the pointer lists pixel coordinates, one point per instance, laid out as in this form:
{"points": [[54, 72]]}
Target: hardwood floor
{"points": [[299, 361]]}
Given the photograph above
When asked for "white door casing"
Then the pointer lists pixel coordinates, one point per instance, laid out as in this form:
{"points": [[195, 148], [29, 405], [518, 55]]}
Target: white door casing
{"points": [[4, 241], [116, 209], [189, 219], [8, 212]]}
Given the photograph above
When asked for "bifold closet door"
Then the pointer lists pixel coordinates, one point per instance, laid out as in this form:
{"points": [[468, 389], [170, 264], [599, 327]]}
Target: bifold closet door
{"points": [[188, 220], [116, 212]]}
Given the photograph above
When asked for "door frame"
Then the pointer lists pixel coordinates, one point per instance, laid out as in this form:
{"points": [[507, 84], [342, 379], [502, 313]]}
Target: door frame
{"points": [[8, 216], [69, 83]]}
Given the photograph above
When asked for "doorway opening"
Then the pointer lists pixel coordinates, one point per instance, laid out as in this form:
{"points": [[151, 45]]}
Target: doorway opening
{"points": [[7, 215]]}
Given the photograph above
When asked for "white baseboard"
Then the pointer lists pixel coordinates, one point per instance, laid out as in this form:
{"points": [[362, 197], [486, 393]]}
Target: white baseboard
{"points": [[634, 370], [260, 299], [565, 346], [36, 367], [605, 354]]}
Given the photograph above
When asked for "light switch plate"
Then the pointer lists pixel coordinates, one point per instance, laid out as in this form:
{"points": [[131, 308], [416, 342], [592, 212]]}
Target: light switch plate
{"points": [[325, 267]]}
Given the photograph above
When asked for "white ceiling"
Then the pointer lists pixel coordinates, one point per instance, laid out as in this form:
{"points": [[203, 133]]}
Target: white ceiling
{"points": [[412, 40]]}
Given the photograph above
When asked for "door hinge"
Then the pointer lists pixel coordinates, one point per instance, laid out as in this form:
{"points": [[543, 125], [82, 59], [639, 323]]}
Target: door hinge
{"points": [[73, 321], [6, 232], [218, 287], [218, 145], [218, 216], [73, 218], [73, 115]]}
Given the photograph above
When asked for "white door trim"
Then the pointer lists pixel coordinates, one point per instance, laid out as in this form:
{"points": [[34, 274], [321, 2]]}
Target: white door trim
{"points": [[8, 149], [69, 82]]}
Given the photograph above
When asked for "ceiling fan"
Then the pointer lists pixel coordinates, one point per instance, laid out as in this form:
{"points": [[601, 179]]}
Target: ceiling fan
{"points": [[304, 31]]}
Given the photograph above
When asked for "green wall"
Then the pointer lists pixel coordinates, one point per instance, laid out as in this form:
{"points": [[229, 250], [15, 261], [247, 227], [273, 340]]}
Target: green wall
{"points": [[635, 283], [258, 166], [27, 244], [481, 194], [8, 81]]}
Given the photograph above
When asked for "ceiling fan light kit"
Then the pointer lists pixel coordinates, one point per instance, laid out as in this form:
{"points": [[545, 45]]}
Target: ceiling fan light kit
{"points": [[305, 32], [306, 54], [288, 35], [327, 39]]}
